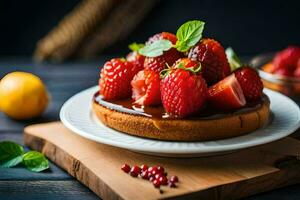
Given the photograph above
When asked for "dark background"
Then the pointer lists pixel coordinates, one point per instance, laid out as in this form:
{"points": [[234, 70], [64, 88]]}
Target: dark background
{"points": [[250, 27]]}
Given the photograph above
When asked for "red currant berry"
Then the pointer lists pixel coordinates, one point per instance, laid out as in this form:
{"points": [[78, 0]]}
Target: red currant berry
{"points": [[154, 171], [156, 183], [171, 184], [161, 169], [133, 174], [145, 175], [126, 168], [163, 180], [144, 167], [174, 179], [157, 176], [150, 169], [136, 169], [151, 178]]}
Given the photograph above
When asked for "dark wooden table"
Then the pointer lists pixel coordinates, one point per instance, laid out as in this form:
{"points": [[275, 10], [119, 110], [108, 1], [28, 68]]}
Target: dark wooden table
{"points": [[63, 81]]}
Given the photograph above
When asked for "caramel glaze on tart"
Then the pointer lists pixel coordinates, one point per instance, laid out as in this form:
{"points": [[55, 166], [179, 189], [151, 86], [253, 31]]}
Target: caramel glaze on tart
{"points": [[207, 124]]}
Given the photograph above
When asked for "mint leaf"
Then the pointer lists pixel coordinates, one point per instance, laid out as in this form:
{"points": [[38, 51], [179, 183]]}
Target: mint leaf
{"points": [[233, 59], [156, 48], [189, 34], [13, 162], [135, 46], [10, 153], [35, 161]]}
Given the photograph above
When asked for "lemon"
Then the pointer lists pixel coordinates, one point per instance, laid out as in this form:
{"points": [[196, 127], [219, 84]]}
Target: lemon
{"points": [[22, 95]]}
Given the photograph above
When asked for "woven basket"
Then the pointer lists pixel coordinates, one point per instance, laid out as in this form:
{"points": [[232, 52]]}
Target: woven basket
{"points": [[92, 26]]}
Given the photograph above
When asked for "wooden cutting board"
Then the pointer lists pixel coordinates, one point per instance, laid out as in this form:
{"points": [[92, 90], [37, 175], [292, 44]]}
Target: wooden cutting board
{"points": [[230, 176]]}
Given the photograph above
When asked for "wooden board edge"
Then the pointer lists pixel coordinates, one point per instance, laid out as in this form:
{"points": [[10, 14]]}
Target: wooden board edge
{"points": [[78, 170]]}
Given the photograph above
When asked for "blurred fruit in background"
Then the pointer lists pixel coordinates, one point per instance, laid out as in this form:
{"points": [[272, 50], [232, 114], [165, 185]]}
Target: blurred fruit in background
{"points": [[23, 95]]}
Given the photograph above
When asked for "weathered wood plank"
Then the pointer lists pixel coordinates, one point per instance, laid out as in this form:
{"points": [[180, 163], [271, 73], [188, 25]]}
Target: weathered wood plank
{"points": [[38, 190], [286, 193], [20, 173]]}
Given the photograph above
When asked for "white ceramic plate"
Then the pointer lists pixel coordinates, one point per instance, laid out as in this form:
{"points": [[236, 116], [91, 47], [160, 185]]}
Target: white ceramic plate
{"points": [[77, 115]]}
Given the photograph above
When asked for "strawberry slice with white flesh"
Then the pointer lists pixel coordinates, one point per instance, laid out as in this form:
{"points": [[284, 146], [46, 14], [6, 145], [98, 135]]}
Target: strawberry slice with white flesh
{"points": [[227, 94]]}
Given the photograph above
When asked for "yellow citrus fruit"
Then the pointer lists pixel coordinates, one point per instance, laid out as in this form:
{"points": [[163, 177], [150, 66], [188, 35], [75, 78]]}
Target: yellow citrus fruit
{"points": [[22, 95]]}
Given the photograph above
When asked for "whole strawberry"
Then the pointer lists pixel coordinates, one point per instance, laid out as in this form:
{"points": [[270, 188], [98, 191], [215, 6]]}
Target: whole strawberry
{"points": [[159, 63], [136, 59], [163, 35], [287, 59], [297, 71], [115, 78], [146, 88], [213, 59], [250, 82], [183, 90]]}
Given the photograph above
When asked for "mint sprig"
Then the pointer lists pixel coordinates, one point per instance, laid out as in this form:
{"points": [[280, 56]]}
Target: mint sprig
{"points": [[233, 59], [135, 46], [187, 35], [156, 48], [13, 154]]}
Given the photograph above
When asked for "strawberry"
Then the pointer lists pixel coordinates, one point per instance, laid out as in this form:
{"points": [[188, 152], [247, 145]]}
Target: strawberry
{"points": [[163, 35], [297, 71], [283, 72], [250, 82], [168, 57], [213, 59], [183, 90], [136, 59], [146, 88], [227, 94], [115, 78], [287, 59]]}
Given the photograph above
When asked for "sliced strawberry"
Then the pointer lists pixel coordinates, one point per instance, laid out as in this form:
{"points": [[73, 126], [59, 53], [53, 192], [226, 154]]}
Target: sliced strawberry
{"points": [[146, 88], [250, 82], [226, 94]]}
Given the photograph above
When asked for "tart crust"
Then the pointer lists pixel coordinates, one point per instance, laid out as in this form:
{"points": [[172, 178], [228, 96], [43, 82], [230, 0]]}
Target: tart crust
{"points": [[231, 125]]}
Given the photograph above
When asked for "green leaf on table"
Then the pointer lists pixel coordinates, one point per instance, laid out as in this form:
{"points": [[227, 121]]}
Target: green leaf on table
{"points": [[10, 154], [136, 46], [189, 34], [233, 59], [35, 161], [13, 162], [156, 48]]}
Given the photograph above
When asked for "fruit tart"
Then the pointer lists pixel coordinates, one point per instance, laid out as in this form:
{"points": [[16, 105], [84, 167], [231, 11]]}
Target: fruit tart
{"points": [[181, 88]]}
